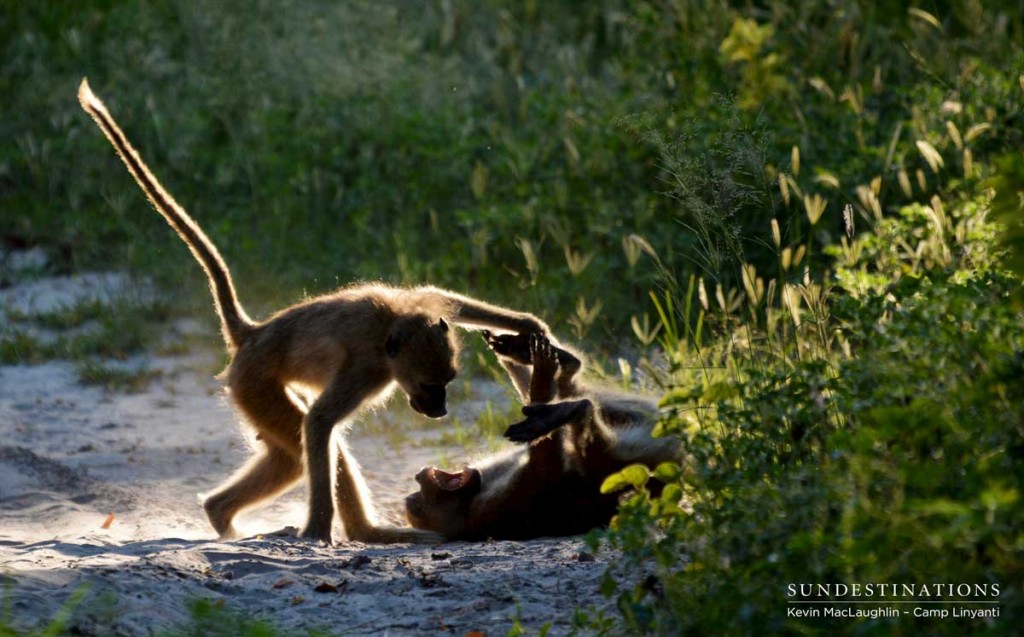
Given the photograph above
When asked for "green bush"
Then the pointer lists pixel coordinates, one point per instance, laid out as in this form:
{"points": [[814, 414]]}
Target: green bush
{"points": [[861, 425], [843, 365]]}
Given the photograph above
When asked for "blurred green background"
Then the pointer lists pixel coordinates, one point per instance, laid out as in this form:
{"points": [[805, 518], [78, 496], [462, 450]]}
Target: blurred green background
{"points": [[508, 149]]}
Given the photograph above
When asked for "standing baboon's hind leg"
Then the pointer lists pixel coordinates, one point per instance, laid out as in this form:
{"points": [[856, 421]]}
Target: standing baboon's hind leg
{"points": [[274, 469], [266, 475]]}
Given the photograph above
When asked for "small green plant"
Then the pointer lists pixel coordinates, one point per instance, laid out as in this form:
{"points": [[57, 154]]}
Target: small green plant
{"points": [[91, 372], [97, 336], [211, 617], [65, 318], [207, 617], [56, 627], [18, 347]]}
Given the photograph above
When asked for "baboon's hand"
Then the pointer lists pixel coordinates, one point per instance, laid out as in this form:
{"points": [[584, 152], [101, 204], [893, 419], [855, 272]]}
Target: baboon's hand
{"points": [[533, 325], [543, 419], [527, 430], [512, 346], [539, 422]]}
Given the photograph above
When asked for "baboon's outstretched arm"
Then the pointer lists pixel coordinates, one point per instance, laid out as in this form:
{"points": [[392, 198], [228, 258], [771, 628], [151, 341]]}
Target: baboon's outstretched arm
{"points": [[476, 314], [599, 449]]}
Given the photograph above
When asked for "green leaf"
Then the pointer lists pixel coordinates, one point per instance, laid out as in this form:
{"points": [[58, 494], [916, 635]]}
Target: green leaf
{"points": [[613, 483], [943, 507], [635, 475], [668, 471], [608, 585], [719, 391], [672, 494], [680, 395]]}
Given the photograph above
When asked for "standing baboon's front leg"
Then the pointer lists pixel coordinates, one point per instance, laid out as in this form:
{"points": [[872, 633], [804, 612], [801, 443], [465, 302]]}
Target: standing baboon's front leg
{"points": [[334, 405]]}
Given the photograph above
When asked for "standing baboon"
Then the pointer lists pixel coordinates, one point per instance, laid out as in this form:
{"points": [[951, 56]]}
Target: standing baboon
{"points": [[552, 487], [334, 353]]}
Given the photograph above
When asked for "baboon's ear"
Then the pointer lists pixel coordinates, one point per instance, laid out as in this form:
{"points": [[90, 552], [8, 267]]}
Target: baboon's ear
{"points": [[443, 324], [392, 346]]}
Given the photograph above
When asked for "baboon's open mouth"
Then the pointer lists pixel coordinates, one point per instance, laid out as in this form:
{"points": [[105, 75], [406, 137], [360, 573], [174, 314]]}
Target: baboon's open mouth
{"points": [[448, 481]]}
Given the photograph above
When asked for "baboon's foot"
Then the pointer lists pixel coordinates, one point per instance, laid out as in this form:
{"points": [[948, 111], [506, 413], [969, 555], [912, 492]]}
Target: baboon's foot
{"points": [[317, 533]]}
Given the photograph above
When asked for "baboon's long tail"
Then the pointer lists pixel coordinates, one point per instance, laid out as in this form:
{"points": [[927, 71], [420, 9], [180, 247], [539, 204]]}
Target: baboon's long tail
{"points": [[235, 324]]}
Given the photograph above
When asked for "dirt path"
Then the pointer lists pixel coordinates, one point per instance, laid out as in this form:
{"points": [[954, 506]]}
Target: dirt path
{"points": [[70, 455]]}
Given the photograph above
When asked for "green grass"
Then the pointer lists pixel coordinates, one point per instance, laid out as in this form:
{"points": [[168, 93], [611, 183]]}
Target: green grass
{"points": [[211, 618], [95, 335], [66, 318], [56, 627], [208, 618], [484, 432], [18, 347], [109, 377]]}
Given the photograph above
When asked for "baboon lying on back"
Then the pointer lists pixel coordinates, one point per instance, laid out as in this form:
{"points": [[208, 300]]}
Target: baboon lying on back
{"points": [[552, 486], [315, 364]]}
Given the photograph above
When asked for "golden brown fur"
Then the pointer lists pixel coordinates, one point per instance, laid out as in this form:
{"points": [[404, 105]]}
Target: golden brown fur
{"points": [[315, 364]]}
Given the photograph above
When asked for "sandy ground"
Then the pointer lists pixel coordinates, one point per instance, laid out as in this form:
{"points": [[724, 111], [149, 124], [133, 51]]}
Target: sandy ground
{"points": [[71, 455]]}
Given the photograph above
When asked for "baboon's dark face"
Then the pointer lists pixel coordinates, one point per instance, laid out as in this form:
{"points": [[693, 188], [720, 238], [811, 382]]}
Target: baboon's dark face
{"points": [[442, 503], [427, 387], [423, 363], [430, 400]]}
